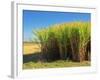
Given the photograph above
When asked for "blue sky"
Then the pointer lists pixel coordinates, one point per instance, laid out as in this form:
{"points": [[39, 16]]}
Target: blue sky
{"points": [[38, 19]]}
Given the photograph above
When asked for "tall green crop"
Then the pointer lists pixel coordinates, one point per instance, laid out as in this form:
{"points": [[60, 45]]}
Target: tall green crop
{"points": [[65, 39]]}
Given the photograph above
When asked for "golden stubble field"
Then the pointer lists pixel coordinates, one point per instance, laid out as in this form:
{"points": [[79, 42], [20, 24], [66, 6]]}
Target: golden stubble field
{"points": [[31, 48]]}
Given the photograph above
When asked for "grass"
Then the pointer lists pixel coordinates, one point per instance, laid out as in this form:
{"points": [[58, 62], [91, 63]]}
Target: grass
{"points": [[54, 64]]}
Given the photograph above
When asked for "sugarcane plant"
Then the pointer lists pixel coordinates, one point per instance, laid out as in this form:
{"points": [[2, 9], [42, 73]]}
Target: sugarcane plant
{"points": [[61, 40], [85, 32]]}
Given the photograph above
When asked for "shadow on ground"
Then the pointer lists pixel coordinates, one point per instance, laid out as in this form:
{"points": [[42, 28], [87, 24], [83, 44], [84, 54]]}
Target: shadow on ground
{"points": [[31, 57], [35, 57]]}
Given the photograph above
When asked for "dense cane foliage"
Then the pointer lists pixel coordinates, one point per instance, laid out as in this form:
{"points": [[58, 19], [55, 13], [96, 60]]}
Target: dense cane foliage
{"points": [[65, 41]]}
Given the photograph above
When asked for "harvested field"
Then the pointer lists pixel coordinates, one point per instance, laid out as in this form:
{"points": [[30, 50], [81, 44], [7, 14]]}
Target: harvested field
{"points": [[31, 48]]}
